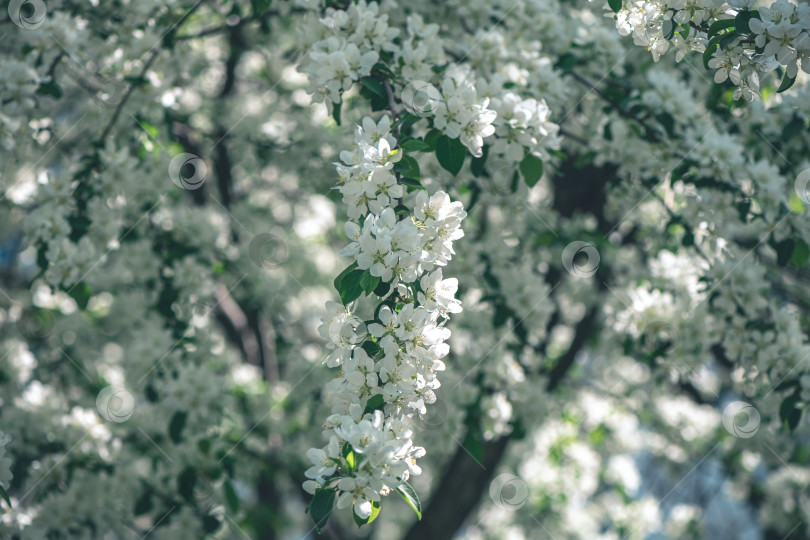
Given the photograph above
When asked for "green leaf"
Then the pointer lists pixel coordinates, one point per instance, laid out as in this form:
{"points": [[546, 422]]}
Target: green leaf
{"points": [[411, 182], [176, 425], [5, 496], [477, 163], [415, 145], [349, 456], [374, 86], [721, 25], [349, 287], [411, 498], [668, 29], [346, 271], [186, 481], [50, 89], [789, 413], [377, 101], [532, 169], [710, 48], [260, 6], [375, 511], [741, 22], [615, 5], [431, 137], [321, 506], [374, 403], [382, 288], [784, 251], [451, 153], [210, 523], [405, 122], [369, 282], [408, 167], [81, 293], [371, 349], [336, 110], [231, 498], [787, 82], [793, 128], [143, 504], [801, 253]]}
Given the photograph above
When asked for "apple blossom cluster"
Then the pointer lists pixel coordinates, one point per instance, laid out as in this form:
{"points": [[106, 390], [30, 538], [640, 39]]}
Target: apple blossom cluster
{"points": [[461, 113], [389, 365], [349, 52], [740, 42], [523, 125]]}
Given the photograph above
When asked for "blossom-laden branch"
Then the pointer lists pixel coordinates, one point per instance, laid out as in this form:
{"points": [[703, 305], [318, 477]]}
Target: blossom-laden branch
{"points": [[389, 362], [741, 43]]}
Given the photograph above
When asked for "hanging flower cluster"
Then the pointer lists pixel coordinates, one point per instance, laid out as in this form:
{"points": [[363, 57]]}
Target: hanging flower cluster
{"points": [[389, 363]]}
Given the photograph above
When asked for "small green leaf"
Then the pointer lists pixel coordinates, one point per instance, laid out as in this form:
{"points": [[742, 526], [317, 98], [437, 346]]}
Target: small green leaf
{"points": [[210, 523], [721, 25], [411, 182], [411, 498], [382, 288], [408, 167], [615, 5], [369, 282], [176, 425], [321, 506], [346, 271], [186, 481], [371, 349], [450, 153], [789, 413], [784, 251], [375, 511], [143, 504], [374, 86], [787, 82], [415, 145], [710, 48], [801, 253], [81, 293], [336, 110], [260, 6], [349, 286], [741, 22], [50, 89], [5, 496], [477, 163], [532, 169], [374, 403], [350, 457], [431, 137], [668, 29], [231, 498]]}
